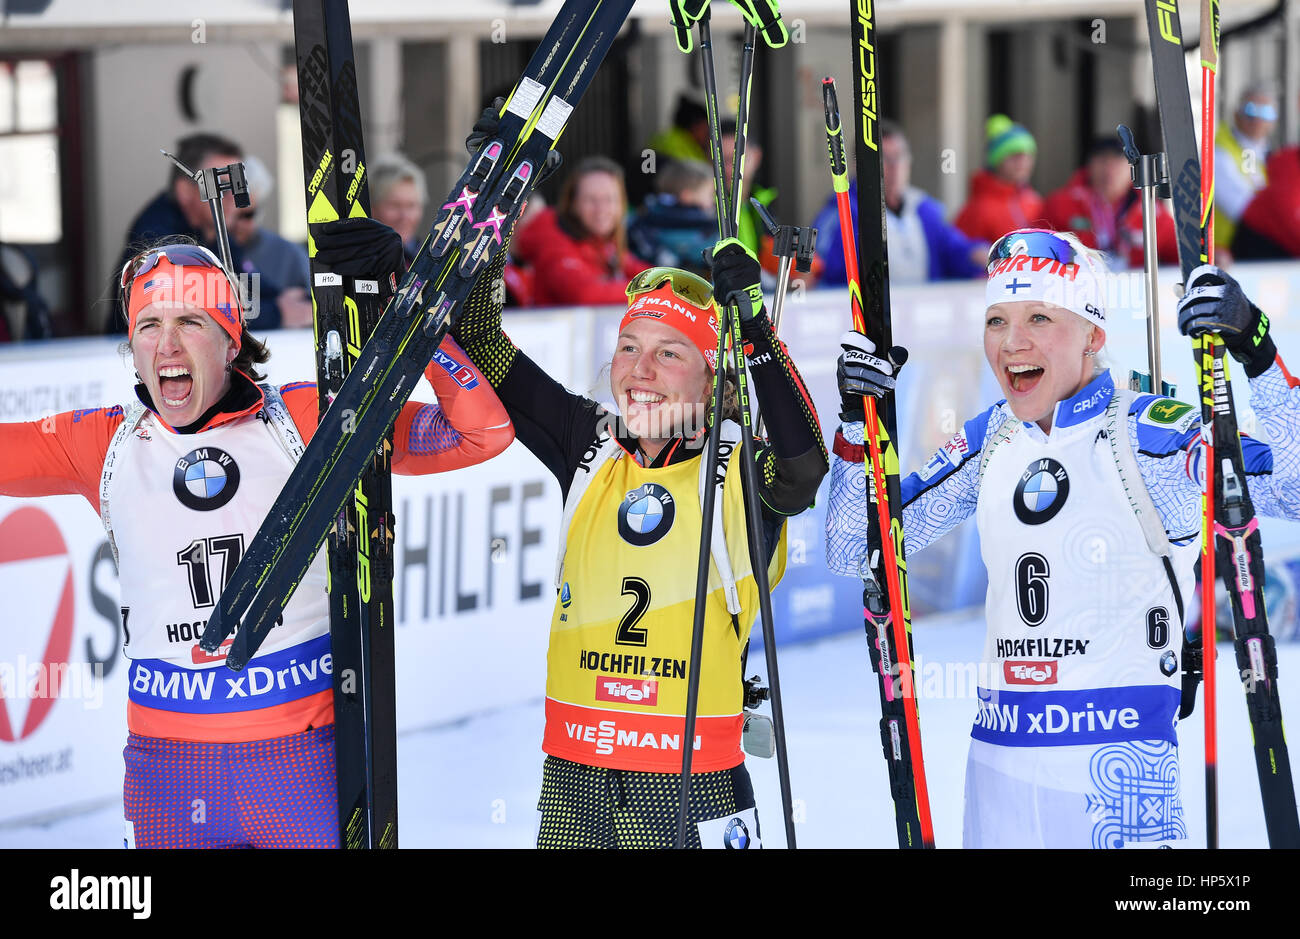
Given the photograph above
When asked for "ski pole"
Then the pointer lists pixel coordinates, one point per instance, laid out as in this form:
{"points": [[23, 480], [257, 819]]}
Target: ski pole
{"points": [[795, 247], [1150, 173], [213, 183], [728, 222], [1209, 626], [901, 739]]}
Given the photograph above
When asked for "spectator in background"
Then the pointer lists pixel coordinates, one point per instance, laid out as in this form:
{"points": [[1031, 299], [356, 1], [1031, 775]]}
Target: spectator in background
{"points": [[398, 195], [1270, 226], [922, 246], [578, 250], [688, 137], [24, 314], [283, 269], [1100, 205], [751, 232], [1240, 153], [678, 224], [1001, 199], [178, 210]]}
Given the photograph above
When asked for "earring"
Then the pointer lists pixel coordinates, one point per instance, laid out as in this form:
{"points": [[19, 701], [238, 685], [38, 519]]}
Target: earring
{"points": [[1089, 352]]}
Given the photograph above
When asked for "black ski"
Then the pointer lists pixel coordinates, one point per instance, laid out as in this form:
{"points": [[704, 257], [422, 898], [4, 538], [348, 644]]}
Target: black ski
{"points": [[489, 197], [1238, 550], [361, 538], [886, 604]]}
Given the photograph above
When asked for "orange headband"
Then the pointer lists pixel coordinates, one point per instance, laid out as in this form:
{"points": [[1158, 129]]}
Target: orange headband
{"points": [[700, 324], [168, 284]]}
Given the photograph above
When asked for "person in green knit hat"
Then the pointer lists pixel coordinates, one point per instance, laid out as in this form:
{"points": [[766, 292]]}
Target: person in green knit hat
{"points": [[1001, 198]]}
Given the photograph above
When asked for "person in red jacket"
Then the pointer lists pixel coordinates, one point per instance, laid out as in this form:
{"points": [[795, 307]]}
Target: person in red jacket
{"points": [[1100, 205], [1001, 198], [578, 250], [1270, 226]]}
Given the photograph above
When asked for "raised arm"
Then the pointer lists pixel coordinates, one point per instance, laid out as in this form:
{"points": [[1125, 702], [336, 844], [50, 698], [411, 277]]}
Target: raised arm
{"points": [[793, 462], [1215, 302], [57, 455], [467, 426], [935, 499]]}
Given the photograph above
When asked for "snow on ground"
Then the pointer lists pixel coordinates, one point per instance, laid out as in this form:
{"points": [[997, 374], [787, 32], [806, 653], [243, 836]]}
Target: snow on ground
{"points": [[474, 783]]}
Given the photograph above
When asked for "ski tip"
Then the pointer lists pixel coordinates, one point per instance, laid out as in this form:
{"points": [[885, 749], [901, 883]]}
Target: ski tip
{"points": [[214, 633], [238, 655]]}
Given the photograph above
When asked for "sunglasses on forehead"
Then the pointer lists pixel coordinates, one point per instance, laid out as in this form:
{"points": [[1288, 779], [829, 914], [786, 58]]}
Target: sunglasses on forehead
{"points": [[1264, 112], [1034, 243], [179, 255], [686, 286]]}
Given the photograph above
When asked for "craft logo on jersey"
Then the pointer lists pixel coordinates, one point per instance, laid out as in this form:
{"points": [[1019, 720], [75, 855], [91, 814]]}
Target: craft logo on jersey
{"points": [[205, 479], [1042, 490], [646, 515], [735, 836]]}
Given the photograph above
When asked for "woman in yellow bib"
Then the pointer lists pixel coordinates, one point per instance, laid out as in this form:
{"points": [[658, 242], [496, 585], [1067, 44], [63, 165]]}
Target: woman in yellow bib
{"points": [[632, 485]]}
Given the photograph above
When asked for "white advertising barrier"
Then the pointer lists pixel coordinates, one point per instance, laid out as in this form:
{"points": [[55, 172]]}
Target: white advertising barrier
{"points": [[475, 548]]}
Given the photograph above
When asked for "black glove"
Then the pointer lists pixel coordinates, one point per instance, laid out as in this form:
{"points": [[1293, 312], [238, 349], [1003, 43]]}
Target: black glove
{"points": [[737, 278], [1214, 302], [859, 371], [485, 128], [359, 247]]}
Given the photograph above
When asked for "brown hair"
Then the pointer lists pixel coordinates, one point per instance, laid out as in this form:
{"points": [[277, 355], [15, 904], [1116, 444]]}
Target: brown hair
{"points": [[252, 352], [569, 220]]}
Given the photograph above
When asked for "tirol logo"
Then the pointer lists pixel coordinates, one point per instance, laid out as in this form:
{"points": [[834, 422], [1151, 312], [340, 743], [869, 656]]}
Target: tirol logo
{"points": [[1042, 490], [566, 595], [646, 514], [635, 691], [31, 542], [1030, 673], [205, 479], [735, 836]]}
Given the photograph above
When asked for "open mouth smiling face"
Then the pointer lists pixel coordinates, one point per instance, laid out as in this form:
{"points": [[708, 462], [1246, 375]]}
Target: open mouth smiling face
{"points": [[1037, 351]]}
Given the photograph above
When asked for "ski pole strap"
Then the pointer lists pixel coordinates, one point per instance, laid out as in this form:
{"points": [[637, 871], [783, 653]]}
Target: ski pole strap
{"points": [[764, 16], [681, 21]]}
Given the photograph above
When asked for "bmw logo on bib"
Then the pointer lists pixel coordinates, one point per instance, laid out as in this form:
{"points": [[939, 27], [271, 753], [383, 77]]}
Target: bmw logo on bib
{"points": [[646, 514], [205, 479], [736, 836], [1042, 490]]}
